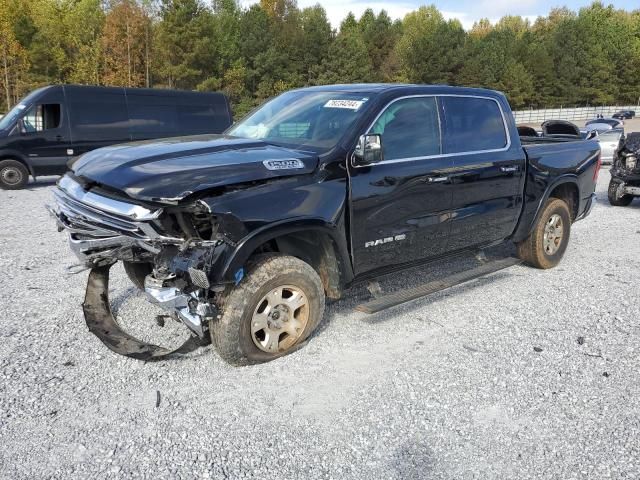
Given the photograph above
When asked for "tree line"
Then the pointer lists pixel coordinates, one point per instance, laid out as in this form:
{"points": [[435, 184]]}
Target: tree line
{"points": [[588, 57]]}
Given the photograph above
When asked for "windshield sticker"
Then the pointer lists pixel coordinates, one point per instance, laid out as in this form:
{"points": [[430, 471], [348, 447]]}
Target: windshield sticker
{"points": [[348, 104], [286, 164]]}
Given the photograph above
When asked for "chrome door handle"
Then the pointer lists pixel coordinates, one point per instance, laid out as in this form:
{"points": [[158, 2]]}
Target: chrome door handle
{"points": [[437, 179], [510, 169]]}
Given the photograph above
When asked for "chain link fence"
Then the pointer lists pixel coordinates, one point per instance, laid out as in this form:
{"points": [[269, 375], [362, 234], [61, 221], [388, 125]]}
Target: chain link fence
{"points": [[572, 113]]}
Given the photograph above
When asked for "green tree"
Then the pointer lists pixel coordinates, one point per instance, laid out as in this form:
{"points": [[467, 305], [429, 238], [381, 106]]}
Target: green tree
{"points": [[347, 62], [430, 48], [185, 44]]}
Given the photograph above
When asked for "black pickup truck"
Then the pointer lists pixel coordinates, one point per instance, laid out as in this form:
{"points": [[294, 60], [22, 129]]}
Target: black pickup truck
{"points": [[242, 236]]}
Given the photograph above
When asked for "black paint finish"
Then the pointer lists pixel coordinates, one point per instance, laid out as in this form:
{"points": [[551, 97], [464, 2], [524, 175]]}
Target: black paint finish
{"points": [[428, 206]]}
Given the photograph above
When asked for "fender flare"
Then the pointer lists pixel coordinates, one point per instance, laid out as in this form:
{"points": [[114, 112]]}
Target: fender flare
{"points": [[243, 250], [521, 232]]}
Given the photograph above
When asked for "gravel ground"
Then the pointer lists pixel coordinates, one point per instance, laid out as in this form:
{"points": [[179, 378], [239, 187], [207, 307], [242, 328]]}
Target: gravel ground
{"points": [[522, 374]]}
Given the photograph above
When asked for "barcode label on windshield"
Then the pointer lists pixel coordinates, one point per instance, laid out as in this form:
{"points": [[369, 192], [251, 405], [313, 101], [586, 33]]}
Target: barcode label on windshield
{"points": [[348, 104]]}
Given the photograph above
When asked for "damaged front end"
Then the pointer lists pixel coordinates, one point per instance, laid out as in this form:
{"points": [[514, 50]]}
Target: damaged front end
{"points": [[626, 166], [168, 250]]}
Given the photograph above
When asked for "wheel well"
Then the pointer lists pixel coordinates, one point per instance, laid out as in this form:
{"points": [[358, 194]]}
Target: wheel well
{"points": [[569, 193], [315, 248], [16, 159]]}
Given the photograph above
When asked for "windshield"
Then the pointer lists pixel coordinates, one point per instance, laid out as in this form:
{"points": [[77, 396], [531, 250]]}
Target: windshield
{"points": [[303, 119], [16, 112], [10, 118]]}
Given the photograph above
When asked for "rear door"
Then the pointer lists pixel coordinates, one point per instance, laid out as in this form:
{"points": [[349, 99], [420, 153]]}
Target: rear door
{"points": [[487, 173], [162, 114], [203, 113], [400, 206], [99, 117], [152, 115]]}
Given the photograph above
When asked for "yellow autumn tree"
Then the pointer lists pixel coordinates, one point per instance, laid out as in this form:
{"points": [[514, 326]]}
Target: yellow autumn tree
{"points": [[125, 43], [13, 58]]}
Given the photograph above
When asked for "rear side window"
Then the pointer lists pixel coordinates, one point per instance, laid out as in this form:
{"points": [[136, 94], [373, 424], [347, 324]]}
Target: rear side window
{"points": [[473, 124], [409, 128]]}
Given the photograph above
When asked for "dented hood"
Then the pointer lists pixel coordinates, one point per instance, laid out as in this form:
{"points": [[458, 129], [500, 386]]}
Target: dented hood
{"points": [[174, 168]]}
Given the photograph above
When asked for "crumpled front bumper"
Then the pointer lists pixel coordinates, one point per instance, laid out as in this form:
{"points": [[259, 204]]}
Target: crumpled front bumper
{"points": [[103, 230]]}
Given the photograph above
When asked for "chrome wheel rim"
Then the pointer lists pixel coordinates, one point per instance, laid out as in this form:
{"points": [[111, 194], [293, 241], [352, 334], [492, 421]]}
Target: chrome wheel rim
{"points": [[280, 319], [11, 176], [553, 233]]}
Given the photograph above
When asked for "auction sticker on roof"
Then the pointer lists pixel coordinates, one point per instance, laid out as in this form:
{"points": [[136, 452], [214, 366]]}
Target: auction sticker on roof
{"points": [[348, 104]]}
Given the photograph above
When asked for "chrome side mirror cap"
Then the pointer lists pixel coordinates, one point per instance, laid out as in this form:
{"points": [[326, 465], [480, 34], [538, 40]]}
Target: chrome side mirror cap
{"points": [[369, 150]]}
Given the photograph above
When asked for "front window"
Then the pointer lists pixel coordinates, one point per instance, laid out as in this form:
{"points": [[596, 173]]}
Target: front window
{"points": [[42, 117], [304, 119], [410, 128]]}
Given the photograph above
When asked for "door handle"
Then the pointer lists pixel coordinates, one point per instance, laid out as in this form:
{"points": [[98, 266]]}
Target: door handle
{"points": [[510, 169], [59, 138], [437, 179]]}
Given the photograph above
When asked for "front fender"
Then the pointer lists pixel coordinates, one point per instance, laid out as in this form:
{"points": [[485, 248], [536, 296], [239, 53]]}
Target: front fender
{"points": [[238, 257], [251, 217]]}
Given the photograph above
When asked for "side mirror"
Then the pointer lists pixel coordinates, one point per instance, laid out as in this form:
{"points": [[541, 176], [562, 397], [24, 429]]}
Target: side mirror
{"points": [[369, 149], [21, 127]]}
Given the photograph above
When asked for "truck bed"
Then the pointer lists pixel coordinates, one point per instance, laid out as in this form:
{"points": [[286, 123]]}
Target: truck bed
{"points": [[547, 140]]}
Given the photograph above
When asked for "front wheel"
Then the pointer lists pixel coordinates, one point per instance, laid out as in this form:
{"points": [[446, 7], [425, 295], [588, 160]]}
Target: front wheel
{"points": [[545, 246], [270, 313], [13, 175], [615, 199]]}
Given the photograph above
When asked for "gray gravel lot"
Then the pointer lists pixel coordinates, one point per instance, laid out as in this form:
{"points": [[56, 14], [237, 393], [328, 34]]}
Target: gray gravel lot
{"points": [[522, 374]]}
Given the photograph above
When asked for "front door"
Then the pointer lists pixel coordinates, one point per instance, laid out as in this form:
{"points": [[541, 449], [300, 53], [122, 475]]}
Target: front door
{"points": [[401, 205], [44, 138]]}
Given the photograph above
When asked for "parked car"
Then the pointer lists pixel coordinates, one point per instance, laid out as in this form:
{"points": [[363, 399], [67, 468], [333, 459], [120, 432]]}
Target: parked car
{"points": [[609, 142], [624, 114], [602, 124], [625, 172], [54, 124], [242, 236]]}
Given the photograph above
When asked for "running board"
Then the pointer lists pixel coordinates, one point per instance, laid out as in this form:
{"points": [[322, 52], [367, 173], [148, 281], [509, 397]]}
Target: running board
{"points": [[391, 300]]}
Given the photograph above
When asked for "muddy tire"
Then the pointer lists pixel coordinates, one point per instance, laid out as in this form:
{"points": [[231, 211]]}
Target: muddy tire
{"points": [[137, 272], [270, 313], [614, 199], [13, 175], [545, 246]]}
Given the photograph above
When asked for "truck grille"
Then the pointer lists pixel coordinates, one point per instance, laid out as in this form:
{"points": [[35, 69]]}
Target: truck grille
{"points": [[84, 220], [102, 229]]}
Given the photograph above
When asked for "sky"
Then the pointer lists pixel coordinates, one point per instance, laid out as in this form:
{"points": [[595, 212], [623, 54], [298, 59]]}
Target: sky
{"points": [[467, 11]]}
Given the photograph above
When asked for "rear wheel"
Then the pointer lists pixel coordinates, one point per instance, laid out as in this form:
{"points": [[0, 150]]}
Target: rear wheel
{"points": [[270, 313], [615, 199], [13, 175], [545, 246]]}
